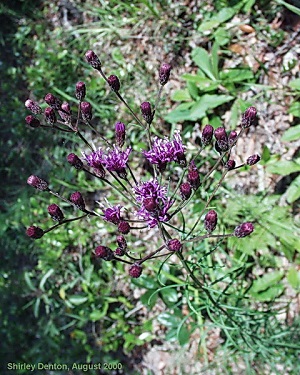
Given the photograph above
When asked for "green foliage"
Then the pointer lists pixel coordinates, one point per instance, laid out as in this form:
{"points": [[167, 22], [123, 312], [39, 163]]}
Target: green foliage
{"points": [[203, 92]]}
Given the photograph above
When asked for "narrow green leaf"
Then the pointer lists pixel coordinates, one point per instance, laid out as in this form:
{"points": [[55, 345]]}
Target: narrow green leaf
{"points": [[293, 191], [293, 278], [202, 59], [284, 167], [28, 281], [266, 281], [77, 299], [44, 278], [291, 134]]}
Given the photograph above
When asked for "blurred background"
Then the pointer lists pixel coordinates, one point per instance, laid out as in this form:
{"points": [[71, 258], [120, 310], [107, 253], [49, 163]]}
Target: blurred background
{"points": [[57, 303]]}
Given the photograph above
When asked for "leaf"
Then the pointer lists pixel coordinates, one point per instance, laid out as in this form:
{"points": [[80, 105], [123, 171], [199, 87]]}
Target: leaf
{"points": [[293, 191], [284, 167], [181, 96], [99, 314], [28, 281], [205, 103], [168, 320], [295, 84], [169, 295], [266, 281], [202, 59], [77, 299], [295, 109], [44, 278], [289, 6], [291, 134], [293, 278], [236, 75], [269, 294], [181, 113]]}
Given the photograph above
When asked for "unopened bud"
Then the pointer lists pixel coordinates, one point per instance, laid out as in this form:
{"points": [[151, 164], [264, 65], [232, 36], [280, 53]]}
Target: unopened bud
{"points": [[53, 101], [34, 232], [77, 199], [185, 190], [37, 182], [80, 91], [124, 227], [207, 134], [119, 252], [174, 245], [55, 212], [104, 253], [32, 121], [147, 112], [210, 221], [249, 117], [93, 59], [164, 73], [86, 111], [120, 134], [114, 83], [243, 230], [230, 165], [33, 107], [222, 139], [193, 176], [50, 115], [231, 138], [121, 241], [135, 270], [75, 161], [253, 159], [65, 112]]}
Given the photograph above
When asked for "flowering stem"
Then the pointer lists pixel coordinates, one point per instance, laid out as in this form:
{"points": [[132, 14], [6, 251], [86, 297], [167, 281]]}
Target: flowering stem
{"points": [[119, 191], [99, 135], [123, 186], [157, 99], [131, 173], [208, 235], [208, 202], [71, 203], [65, 222], [122, 100], [151, 254]]}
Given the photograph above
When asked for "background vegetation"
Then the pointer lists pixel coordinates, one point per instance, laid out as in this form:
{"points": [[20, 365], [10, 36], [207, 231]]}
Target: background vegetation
{"points": [[57, 303]]}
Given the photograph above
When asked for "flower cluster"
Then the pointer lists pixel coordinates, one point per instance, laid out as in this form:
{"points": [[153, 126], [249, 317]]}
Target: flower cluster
{"points": [[164, 151], [154, 203], [147, 200]]}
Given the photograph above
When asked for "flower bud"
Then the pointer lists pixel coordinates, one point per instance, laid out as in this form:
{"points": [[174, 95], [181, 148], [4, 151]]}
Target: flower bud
{"points": [[55, 212], [174, 245], [124, 227], [135, 270], [230, 165], [120, 134], [75, 161], [80, 91], [164, 73], [150, 204], [53, 101], [193, 176], [232, 138], [32, 121], [77, 199], [253, 159], [50, 116], [185, 190], [243, 230], [65, 112], [37, 183], [33, 107], [119, 252], [249, 117], [34, 232], [222, 139], [86, 111], [210, 221], [207, 134], [93, 59], [147, 112], [104, 253], [114, 82], [121, 241]]}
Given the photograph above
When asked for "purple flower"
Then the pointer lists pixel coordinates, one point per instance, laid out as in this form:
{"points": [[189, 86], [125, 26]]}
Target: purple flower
{"points": [[95, 160], [115, 161], [113, 214], [152, 191], [164, 151]]}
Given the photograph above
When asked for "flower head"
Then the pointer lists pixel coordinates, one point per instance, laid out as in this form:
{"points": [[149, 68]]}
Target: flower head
{"points": [[115, 160], [93, 59], [95, 160], [164, 73], [113, 214], [154, 204], [243, 230], [164, 151]]}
